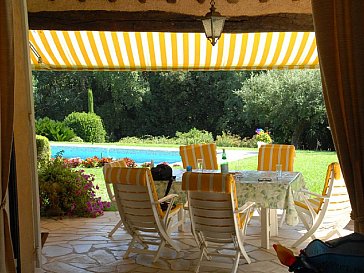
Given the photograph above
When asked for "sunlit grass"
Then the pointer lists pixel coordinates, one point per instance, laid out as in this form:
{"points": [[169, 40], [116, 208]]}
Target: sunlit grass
{"points": [[312, 164]]}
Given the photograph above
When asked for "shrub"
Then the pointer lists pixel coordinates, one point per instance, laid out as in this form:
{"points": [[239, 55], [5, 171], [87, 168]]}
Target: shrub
{"points": [[76, 139], [228, 140], [195, 136], [64, 190], [53, 130], [148, 139], [43, 150], [87, 126], [249, 142]]}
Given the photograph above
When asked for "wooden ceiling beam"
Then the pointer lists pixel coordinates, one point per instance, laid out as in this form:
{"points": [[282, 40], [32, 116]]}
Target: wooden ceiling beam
{"points": [[158, 21]]}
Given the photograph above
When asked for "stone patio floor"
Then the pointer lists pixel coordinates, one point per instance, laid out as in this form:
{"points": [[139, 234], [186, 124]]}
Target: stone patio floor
{"points": [[81, 245]]}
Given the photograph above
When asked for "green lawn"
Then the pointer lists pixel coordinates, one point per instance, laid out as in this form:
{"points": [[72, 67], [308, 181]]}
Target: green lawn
{"points": [[311, 164]]}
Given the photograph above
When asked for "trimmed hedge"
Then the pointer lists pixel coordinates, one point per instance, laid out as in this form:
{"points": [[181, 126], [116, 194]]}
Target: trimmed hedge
{"points": [[88, 126], [43, 150]]}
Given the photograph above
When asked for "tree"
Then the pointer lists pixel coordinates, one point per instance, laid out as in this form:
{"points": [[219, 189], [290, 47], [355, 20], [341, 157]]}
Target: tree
{"points": [[286, 102], [179, 101], [57, 94], [90, 98], [118, 98]]}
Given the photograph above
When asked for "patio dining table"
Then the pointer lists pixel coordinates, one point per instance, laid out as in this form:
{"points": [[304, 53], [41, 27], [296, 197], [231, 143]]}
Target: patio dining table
{"points": [[269, 195]]}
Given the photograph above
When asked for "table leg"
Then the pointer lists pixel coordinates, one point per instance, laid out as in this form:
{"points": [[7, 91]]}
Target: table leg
{"points": [[273, 222], [269, 225], [264, 221]]}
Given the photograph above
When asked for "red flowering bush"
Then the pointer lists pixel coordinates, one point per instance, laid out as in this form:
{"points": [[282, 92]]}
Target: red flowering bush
{"points": [[103, 161], [130, 162], [90, 162]]}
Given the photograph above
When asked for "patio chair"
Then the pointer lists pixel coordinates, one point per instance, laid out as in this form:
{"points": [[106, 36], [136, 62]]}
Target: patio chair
{"points": [[270, 155], [110, 191], [207, 152], [141, 213], [218, 225], [329, 211]]}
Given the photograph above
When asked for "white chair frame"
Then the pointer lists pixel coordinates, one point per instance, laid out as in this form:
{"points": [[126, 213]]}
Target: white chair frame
{"points": [[139, 214], [212, 238], [111, 195], [333, 215]]}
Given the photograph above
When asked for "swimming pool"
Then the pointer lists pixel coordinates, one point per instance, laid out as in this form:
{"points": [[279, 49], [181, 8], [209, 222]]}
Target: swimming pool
{"points": [[139, 155]]}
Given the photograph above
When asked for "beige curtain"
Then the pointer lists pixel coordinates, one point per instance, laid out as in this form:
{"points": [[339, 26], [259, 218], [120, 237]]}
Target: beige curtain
{"points": [[339, 27], [6, 127]]}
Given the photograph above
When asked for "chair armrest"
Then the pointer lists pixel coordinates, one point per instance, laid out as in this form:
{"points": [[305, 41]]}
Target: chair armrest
{"points": [[306, 192], [245, 207], [168, 197]]}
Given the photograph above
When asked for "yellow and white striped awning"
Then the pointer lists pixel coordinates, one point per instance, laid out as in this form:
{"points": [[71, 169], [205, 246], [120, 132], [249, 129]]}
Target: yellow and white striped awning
{"points": [[103, 50]]}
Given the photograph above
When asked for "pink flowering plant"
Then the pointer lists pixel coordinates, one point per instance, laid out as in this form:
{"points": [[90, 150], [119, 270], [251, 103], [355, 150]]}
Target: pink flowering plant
{"points": [[262, 136], [66, 191], [73, 162]]}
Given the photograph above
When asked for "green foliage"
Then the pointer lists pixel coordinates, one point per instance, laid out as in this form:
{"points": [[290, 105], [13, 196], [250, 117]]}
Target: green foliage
{"points": [[59, 93], [64, 190], [286, 102], [88, 126], [53, 130], [90, 100], [179, 101], [228, 140], [194, 136], [76, 139], [149, 140], [43, 150], [119, 98], [249, 142], [158, 104]]}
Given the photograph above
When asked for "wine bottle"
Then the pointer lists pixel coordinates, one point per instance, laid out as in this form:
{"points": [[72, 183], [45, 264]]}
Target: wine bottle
{"points": [[224, 166]]}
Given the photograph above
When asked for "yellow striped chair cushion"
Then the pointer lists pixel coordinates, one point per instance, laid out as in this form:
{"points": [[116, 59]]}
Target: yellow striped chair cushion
{"points": [[207, 152], [335, 166], [211, 182], [117, 163], [132, 176], [315, 203], [339, 194], [272, 154]]}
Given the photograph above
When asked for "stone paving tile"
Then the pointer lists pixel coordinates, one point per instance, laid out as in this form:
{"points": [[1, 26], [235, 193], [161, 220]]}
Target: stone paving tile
{"points": [[82, 245], [55, 251]]}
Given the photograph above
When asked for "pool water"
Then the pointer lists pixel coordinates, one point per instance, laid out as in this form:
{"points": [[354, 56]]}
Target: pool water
{"points": [[139, 155]]}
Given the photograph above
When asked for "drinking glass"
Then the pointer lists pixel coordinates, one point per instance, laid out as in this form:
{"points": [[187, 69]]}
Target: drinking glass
{"points": [[279, 171], [200, 164]]}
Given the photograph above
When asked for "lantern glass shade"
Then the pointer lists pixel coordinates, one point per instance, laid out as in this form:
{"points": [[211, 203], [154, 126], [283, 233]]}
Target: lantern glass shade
{"points": [[213, 24], [213, 28]]}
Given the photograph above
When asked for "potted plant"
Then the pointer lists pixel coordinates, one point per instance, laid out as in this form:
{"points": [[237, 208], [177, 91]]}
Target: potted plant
{"points": [[262, 137]]}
